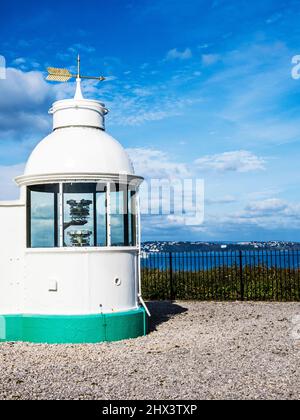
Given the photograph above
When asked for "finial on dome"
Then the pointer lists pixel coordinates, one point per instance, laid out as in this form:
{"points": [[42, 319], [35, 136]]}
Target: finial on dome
{"points": [[78, 93], [78, 66]]}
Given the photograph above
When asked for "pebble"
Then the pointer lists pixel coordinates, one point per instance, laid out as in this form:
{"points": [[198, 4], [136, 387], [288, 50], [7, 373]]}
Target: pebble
{"points": [[195, 350]]}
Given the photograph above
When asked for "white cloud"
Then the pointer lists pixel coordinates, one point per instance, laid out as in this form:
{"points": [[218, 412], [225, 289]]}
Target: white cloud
{"points": [[203, 46], [210, 59], [156, 164], [293, 211], [135, 110], [63, 56], [19, 60], [175, 54], [274, 18], [226, 199], [274, 209], [110, 78], [77, 48], [236, 161], [270, 214], [25, 98], [143, 116], [25, 64], [8, 189], [265, 207], [142, 92], [24, 101], [22, 90]]}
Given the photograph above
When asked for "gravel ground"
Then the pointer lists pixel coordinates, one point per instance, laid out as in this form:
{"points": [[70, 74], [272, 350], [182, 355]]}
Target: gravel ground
{"points": [[196, 350]]}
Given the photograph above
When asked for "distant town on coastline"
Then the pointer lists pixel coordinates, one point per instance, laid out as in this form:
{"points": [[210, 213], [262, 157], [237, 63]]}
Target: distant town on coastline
{"points": [[165, 246]]}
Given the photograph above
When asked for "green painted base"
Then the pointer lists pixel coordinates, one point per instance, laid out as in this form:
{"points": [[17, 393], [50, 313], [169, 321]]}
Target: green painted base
{"points": [[63, 329]]}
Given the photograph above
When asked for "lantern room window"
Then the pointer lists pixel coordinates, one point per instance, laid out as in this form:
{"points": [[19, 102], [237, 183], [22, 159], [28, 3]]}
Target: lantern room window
{"points": [[132, 222], [79, 213], [76, 215], [119, 228], [122, 217], [101, 219], [42, 215]]}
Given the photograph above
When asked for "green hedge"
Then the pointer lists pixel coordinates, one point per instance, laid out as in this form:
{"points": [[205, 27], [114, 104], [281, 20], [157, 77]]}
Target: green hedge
{"points": [[224, 284]]}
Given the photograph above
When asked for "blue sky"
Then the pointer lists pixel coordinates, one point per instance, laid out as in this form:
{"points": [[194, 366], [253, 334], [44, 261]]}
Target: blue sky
{"points": [[195, 88]]}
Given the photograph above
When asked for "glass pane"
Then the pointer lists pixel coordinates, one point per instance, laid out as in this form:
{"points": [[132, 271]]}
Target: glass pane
{"points": [[101, 218], [117, 218], [42, 216], [79, 202], [131, 218]]}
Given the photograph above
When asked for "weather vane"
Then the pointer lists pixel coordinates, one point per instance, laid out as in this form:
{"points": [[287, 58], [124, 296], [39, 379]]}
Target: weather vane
{"points": [[64, 75]]}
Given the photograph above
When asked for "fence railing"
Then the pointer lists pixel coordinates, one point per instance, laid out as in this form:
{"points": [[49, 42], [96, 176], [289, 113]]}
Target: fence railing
{"points": [[229, 276]]}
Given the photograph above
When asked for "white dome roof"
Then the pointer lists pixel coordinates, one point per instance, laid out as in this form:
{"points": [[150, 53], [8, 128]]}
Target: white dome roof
{"points": [[78, 147], [78, 150]]}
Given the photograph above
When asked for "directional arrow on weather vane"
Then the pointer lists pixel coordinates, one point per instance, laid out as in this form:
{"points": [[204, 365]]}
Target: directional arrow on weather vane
{"points": [[64, 75]]}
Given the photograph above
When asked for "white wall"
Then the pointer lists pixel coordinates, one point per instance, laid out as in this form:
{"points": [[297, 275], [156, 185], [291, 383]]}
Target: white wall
{"points": [[85, 280], [12, 245]]}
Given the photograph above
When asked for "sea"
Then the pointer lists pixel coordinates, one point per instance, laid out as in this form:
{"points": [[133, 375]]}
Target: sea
{"points": [[206, 260]]}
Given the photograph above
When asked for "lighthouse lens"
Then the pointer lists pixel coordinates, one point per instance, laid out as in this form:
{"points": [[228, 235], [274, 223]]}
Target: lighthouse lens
{"points": [[78, 226]]}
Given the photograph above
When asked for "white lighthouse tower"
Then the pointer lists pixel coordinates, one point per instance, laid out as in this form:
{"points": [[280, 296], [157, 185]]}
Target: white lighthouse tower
{"points": [[69, 254]]}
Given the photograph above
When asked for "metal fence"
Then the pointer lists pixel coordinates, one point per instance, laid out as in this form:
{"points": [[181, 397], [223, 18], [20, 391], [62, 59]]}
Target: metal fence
{"points": [[225, 276]]}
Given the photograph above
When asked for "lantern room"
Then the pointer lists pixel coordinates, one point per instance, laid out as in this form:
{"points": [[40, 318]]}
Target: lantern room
{"points": [[70, 261]]}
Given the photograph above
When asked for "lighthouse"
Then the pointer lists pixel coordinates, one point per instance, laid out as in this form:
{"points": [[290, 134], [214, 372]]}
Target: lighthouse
{"points": [[70, 246]]}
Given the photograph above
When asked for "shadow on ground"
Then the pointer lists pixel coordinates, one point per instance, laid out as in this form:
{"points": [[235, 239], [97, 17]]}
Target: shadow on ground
{"points": [[162, 311]]}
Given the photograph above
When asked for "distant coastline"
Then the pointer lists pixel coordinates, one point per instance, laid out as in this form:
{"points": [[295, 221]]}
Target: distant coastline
{"points": [[173, 246]]}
